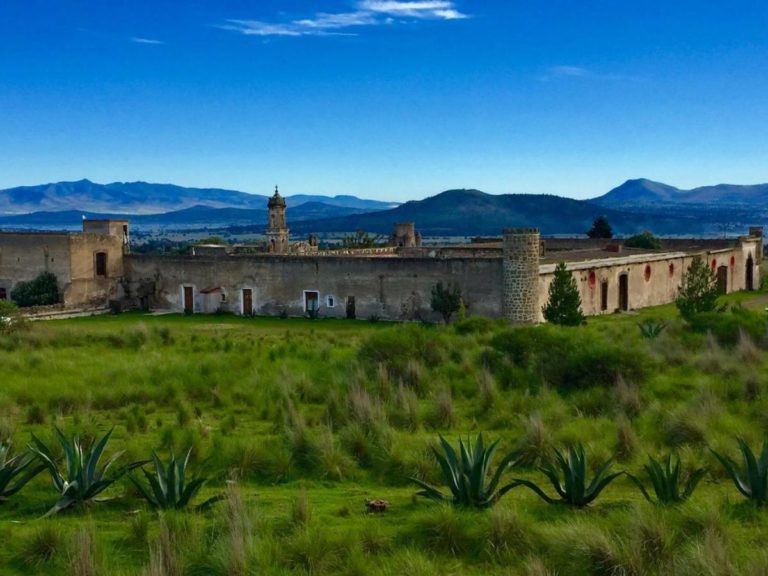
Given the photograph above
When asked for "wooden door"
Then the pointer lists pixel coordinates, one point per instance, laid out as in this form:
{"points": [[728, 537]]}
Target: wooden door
{"points": [[624, 292], [604, 296], [351, 312], [750, 283], [722, 279], [189, 299], [247, 301]]}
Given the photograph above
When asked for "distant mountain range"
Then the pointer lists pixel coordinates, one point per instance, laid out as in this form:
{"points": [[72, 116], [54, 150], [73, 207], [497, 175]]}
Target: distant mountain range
{"points": [[634, 206], [644, 192], [472, 212], [145, 198]]}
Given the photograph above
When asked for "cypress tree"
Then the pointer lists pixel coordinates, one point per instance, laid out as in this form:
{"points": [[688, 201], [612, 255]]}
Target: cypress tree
{"points": [[564, 304]]}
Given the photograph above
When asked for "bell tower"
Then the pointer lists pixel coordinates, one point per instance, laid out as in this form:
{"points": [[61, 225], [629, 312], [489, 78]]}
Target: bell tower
{"points": [[277, 231]]}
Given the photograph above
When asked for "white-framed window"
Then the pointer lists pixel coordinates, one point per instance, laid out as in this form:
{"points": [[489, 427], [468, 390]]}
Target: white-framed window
{"points": [[330, 301]]}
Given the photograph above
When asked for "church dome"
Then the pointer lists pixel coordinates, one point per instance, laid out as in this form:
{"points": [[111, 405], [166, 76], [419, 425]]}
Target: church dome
{"points": [[276, 200]]}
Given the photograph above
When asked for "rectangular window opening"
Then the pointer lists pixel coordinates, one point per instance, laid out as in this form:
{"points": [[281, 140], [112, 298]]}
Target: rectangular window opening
{"points": [[101, 264]]}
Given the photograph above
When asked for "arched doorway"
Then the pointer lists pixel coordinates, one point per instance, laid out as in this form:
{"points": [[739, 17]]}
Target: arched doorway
{"points": [[750, 283], [722, 279]]}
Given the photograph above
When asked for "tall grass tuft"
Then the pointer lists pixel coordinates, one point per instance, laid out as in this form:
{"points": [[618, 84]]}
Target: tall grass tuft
{"points": [[405, 409], [507, 535], [443, 414], [486, 387], [43, 546], [536, 444], [240, 532], [82, 554], [164, 557], [626, 440], [301, 510], [627, 397]]}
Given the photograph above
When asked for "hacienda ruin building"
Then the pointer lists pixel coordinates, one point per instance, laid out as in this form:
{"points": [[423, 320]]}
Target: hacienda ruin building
{"points": [[508, 278]]}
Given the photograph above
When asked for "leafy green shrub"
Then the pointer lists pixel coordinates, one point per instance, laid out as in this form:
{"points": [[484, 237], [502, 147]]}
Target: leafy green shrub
{"points": [[645, 240], [168, 487], [42, 291], [474, 325], [466, 474], [669, 484], [395, 347], [81, 481], [10, 321], [570, 359], [574, 488], [727, 327], [564, 303], [752, 479], [446, 300]]}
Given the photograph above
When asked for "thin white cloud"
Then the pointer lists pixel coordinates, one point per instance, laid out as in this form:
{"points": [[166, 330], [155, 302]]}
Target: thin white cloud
{"points": [[368, 13], [438, 9], [138, 40]]}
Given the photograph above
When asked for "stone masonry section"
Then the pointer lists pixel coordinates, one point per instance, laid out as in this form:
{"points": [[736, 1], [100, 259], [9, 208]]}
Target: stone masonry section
{"points": [[520, 294]]}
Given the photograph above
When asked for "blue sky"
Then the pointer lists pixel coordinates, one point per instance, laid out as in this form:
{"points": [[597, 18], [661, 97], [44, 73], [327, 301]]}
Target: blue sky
{"points": [[384, 98]]}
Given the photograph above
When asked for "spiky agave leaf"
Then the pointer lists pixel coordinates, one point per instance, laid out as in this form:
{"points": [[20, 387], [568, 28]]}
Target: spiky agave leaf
{"points": [[16, 471], [752, 480], [81, 479], [466, 474], [168, 487], [568, 476], [667, 480]]}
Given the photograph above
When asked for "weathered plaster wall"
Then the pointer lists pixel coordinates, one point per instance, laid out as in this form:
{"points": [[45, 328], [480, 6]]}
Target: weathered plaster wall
{"points": [[387, 287], [24, 256], [653, 279], [85, 287], [71, 257]]}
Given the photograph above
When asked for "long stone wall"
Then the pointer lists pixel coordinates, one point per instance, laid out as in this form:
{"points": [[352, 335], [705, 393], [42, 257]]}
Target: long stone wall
{"points": [[389, 288]]}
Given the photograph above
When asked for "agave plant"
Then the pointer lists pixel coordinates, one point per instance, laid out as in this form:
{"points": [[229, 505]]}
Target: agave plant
{"points": [[670, 485], [651, 329], [81, 480], [168, 487], [466, 474], [573, 489], [16, 471], [752, 480]]}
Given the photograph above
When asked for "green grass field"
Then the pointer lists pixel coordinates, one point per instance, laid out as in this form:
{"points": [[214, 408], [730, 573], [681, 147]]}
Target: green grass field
{"points": [[298, 422]]}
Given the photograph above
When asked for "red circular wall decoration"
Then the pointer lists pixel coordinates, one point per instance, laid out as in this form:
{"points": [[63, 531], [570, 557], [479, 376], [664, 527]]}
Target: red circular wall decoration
{"points": [[733, 261], [592, 279], [647, 272]]}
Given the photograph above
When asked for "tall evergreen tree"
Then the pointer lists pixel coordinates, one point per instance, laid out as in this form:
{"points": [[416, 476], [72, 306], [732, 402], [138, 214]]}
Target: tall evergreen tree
{"points": [[600, 228], [698, 292], [564, 304]]}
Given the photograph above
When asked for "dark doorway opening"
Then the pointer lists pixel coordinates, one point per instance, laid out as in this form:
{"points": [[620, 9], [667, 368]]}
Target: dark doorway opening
{"points": [[247, 301], [604, 295], [189, 299], [624, 292], [750, 283], [351, 314], [722, 279], [3, 294], [311, 301], [101, 264]]}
